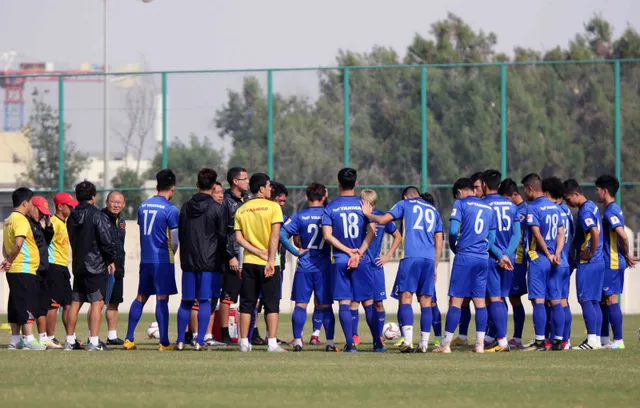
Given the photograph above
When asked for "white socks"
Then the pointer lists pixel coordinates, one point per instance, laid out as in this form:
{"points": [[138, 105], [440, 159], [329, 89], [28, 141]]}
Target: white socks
{"points": [[480, 338], [591, 339], [244, 342], [112, 334], [316, 333], [28, 338], [448, 337], [15, 340], [71, 340], [408, 335], [297, 342], [330, 343], [462, 336], [273, 343], [94, 340], [43, 337]]}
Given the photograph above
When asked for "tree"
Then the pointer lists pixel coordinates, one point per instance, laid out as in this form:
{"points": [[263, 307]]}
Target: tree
{"points": [[128, 178], [42, 131]]}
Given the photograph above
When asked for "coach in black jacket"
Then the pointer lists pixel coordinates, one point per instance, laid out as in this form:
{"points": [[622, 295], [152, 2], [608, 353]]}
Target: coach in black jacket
{"points": [[202, 230], [93, 256]]}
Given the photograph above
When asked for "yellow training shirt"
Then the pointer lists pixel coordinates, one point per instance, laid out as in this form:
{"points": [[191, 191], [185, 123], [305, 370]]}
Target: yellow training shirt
{"points": [[59, 247], [28, 259], [254, 219]]}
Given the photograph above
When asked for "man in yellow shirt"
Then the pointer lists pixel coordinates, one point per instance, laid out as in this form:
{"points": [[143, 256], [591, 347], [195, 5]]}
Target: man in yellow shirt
{"points": [[58, 276], [21, 261], [257, 225]]}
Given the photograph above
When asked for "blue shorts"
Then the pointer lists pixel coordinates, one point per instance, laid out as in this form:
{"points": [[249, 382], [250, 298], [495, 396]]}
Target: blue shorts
{"points": [[589, 281], [558, 284], [434, 298], [352, 284], [613, 282], [468, 277], [519, 279], [380, 293], [305, 283], [538, 277], [415, 275], [157, 279], [498, 280], [197, 285]]}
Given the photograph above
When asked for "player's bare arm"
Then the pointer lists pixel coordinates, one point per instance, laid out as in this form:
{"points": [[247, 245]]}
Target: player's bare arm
{"points": [[327, 234], [595, 240], [624, 246], [240, 239], [397, 240], [368, 239], [540, 243], [15, 250], [274, 240], [559, 245], [367, 210]]}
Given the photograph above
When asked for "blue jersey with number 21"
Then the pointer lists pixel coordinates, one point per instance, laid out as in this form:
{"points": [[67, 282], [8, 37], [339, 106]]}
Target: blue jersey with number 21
{"points": [[349, 224], [307, 224], [156, 218], [476, 219]]}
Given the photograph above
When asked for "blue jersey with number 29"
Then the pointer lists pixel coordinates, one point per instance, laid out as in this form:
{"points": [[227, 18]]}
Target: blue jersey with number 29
{"points": [[156, 218], [476, 219], [349, 224], [420, 222]]}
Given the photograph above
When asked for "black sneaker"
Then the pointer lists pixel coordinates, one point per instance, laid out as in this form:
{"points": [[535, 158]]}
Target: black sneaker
{"points": [[55, 341], [557, 345], [179, 346], [256, 340], [188, 337], [297, 348], [74, 346], [282, 342], [350, 349], [100, 347], [115, 342], [538, 345], [404, 349], [331, 349]]}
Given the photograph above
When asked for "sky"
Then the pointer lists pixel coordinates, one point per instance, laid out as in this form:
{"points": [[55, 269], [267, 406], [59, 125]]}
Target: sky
{"points": [[218, 34]]}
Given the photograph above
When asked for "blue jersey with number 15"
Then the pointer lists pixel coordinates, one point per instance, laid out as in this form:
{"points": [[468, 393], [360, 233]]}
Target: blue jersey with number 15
{"points": [[307, 224], [420, 222], [476, 220], [349, 224], [156, 218]]}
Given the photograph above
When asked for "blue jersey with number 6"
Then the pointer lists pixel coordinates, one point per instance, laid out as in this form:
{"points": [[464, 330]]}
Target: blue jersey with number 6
{"points": [[546, 215], [476, 219], [307, 224], [349, 224], [420, 222], [156, 218]]}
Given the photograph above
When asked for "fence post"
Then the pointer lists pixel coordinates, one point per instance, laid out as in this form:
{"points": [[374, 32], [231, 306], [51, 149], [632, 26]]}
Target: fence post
{"points": [[503, 120], [423, 120], [617, 125], [61, 133], [345, 91], [165, 152], [270, 123]]}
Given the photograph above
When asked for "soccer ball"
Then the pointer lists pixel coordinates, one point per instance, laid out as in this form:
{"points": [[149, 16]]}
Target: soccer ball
{"points": [[153, 332], [391, 331]]}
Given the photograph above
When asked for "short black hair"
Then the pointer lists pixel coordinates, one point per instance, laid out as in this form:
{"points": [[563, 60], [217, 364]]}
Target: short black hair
{"points": [[278, 189], [347, 178], [491, 178], [428, 198], [508, 187], [609, 183], [553, 186], [316, 191], [475, 176], [85, 191], [533, 180], [410, 189], [256, 181], [207, 178], [166, 179], [461, 184], [20, 195], [217, 183], [571, 186], [234, 173]]}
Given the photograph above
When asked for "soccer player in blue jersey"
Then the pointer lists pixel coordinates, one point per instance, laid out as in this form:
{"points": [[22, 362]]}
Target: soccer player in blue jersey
{"points": [[509, 190], [314, 266], [436, 322], [158, 220], [560, 274], [545, 236], [617, 258], [350, 233], [590, 263], [471, 234], [422, 233], [501, 259]]}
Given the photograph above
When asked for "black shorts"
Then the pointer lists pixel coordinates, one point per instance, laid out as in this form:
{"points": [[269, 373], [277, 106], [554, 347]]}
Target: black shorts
{"points": [[23, 298], [231, 285], [59, 282], [89, 288], [44, 300], [117, 292], [254, 282]]}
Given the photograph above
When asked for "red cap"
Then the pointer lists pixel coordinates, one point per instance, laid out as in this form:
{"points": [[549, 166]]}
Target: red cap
{"points": [[65, 198], [41, 204]]}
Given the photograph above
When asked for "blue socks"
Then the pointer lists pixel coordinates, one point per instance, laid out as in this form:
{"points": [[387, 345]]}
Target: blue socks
{"points": [[498, 311], [481, 318], [539, 320], [568, 319], [382, 316], [184, 313], [453, 318], [317, 318], [616, 320], [372, 322], [604, 328], [204, 314], [298, 319], [465, 319], [589, 315], [329, 323], [162, 316], [518, 321], [346, 321], [355, 317], [426, 318], [547, 327], [436, 321], [135, 313], [598, 311], [557, 314], [405, 315], [491, 327]]}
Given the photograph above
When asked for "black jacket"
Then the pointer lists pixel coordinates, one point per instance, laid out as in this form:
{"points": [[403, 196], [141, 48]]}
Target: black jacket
{"points": [[43, 237], [117, 230], [202, 230], [231, 204], [91, 247]]}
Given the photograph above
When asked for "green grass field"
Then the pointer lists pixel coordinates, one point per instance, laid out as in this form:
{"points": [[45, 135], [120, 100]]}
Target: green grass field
{"points": [[228, 378]]}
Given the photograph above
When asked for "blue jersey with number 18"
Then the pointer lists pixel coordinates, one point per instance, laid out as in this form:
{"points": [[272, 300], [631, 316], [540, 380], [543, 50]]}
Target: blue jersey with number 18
{"points": [[420, 222], [349, 224], [307, 225], [156, 218], [476, 220]]}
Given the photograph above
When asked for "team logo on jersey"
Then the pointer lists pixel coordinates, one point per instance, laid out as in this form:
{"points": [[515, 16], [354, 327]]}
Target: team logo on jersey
{"points": [[521, 217], [305, 217], [529, 217], [615, 220], [589, 222], [454, 212]]}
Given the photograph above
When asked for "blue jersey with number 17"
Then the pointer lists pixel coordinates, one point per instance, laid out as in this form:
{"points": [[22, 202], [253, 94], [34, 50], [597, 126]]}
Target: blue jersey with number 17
{"points": [[420, 222], [307, 224], [156, 218], [349, 224], [476, 220]]}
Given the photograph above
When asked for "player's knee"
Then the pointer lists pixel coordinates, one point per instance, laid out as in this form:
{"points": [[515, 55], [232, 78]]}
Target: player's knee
{"points": [[379, 305], [611, 300], [142, 298], [302, 305]]}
